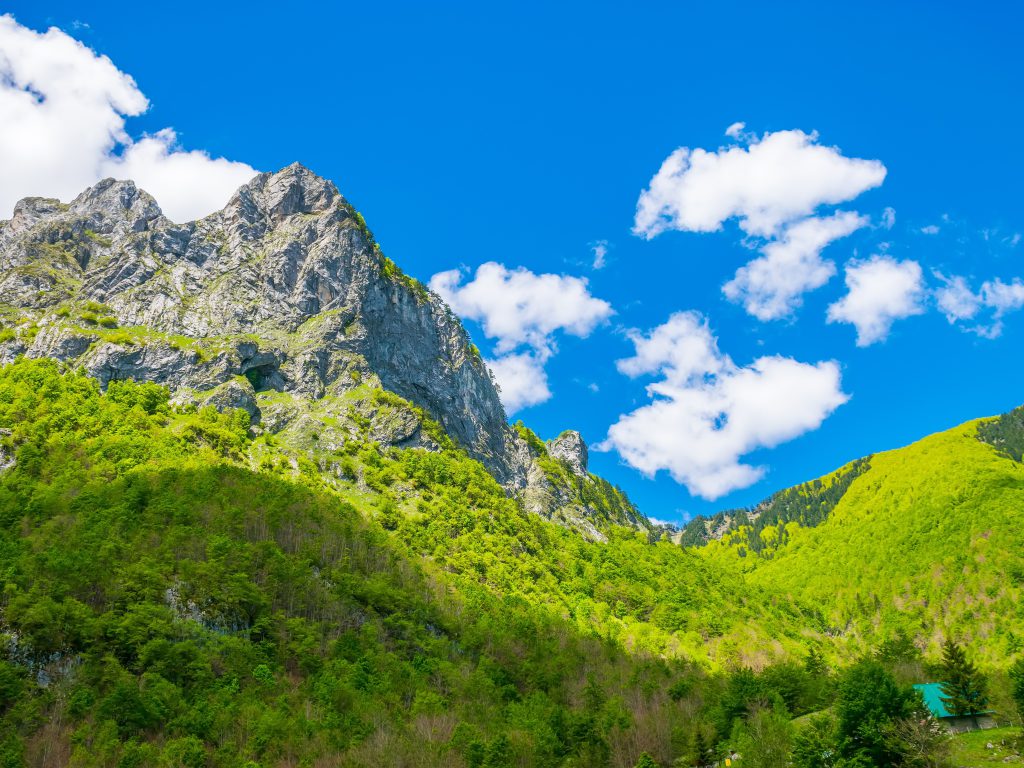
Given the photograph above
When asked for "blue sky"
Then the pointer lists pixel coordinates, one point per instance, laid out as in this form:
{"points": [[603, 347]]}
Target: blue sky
{"points": [[525, 134]]}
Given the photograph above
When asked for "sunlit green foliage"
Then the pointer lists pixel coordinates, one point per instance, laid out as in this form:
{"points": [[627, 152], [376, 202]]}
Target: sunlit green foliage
{"points": [[928, 540], [808, 504], [178, 592], [165, 604]]}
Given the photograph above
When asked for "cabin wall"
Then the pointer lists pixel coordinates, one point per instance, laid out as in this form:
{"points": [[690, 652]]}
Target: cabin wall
{"points": [[964, 724]]}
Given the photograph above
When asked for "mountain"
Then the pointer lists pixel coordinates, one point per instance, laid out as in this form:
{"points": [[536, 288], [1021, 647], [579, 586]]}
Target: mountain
{"points": [[260, 505], [282, 304], [927, 540]]}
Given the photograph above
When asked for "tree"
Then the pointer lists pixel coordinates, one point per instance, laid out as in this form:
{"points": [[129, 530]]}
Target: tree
{"points": [[870, 700], [921, 740], [964, 691], [816, 745], [1017, 686], [646, 761], [765, 738], [700, 748]]}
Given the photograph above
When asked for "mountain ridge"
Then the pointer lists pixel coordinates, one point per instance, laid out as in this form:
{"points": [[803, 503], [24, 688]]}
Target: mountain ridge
{"points": [[922, 540], [282, 303]]}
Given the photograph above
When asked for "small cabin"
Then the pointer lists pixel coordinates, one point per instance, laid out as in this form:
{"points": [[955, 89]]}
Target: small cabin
{"points": [[932, 695]]}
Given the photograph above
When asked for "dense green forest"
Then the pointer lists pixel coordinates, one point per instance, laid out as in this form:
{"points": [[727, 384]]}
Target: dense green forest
{"points": [[928, 541], [808, 504], [178, 591]]}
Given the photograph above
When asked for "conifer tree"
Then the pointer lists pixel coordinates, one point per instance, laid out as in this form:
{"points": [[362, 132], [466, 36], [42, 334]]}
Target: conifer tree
{"points": [[700, 748], [1017, 686], [964, 689]]}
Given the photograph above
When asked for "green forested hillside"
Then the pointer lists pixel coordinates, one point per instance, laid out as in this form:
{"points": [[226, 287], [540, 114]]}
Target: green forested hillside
{"points": [[178, 593], [928, 540], [807, 504]]}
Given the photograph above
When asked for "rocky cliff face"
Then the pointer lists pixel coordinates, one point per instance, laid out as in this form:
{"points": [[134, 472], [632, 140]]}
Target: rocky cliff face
{"points": [[282, 304], [570, 448]]}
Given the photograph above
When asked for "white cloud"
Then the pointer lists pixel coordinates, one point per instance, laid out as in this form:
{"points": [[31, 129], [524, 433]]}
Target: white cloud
{"points": [[889, 217], [735, 130], [783, 177], [772, 285], [931, 229], [960, 303], [522, 379], [600, 251], [187, 184], [881, 291], [956, 299], [774, 187], [707, 413], [64, 108], [1003, 297], [519, 308]]}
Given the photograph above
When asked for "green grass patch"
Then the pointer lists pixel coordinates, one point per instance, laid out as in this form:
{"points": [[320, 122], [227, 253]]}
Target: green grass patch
{"points": [[971, 750]]}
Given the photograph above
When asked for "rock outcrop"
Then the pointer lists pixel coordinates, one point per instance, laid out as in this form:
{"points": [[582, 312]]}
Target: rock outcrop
{"points": [[570, 448], [281, 304]]}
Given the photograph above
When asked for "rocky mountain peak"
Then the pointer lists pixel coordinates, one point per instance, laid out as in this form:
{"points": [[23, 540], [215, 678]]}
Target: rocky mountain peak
{"points": [[117, 206], [282, 304], [285, 287], [28, 211], [570, 448], [290, 191]]}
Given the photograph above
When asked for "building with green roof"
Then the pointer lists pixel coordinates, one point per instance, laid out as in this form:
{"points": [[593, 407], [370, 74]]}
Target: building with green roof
{"points": [[933, 699]]}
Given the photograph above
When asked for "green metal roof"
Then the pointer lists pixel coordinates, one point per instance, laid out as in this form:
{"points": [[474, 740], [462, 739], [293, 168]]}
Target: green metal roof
{"points": [[932, 693]]}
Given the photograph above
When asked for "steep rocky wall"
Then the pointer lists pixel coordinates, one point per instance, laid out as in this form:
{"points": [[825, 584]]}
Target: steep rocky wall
{"points": [[285, 281], [281, 302]]}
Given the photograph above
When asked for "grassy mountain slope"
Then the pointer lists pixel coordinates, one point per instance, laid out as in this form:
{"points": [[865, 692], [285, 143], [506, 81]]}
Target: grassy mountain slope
{"points": [[927, 540], [178, 593]]}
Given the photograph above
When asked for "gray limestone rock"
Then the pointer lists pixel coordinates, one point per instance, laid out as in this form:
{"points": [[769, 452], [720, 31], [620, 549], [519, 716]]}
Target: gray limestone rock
{"points": [[281, 304], [235, 393], [570, 448], [285, 286]]}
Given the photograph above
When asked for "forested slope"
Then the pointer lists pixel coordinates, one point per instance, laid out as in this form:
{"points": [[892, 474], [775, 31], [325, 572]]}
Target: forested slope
{"points": [[928, 540], [176, 592]]}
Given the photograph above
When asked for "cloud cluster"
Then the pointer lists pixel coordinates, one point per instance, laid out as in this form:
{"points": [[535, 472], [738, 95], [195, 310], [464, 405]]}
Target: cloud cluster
{"points": [[771, 286], [63, 128], [707, 413], [773, 187], [960, 303], [518, 309], [880, 291]]}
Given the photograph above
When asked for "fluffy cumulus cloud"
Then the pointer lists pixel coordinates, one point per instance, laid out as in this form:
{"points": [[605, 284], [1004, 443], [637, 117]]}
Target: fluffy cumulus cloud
{"points": [[785, 176], [773, 187], [962, 305], [772, 285], [707, 413], [522, 379], [63, 128], [522, 311], [880, 291]]}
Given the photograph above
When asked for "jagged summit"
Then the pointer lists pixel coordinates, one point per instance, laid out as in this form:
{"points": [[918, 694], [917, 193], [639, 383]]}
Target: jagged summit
{"points": [[570, 448], [285, 279], [270, 198], [281, 303]]}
